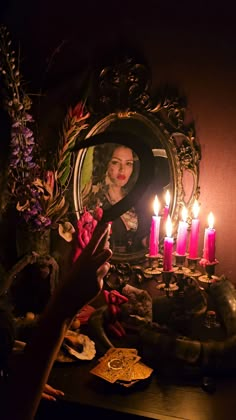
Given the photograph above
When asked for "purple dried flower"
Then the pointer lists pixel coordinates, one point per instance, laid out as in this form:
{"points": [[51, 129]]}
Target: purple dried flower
{"points": [[38, 193]]}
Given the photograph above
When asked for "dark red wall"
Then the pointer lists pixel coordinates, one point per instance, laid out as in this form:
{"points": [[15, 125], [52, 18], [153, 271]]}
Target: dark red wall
{"points": [[190, 46]]}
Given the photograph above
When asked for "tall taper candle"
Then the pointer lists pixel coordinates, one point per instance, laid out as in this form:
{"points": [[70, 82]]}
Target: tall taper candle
{"points": [[209, 240], [168, 247], [194, 234], [181, 243], [155, 228]]}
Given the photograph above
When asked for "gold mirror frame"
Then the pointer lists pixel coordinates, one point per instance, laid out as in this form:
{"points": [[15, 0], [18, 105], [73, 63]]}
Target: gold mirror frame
{"points": [[121, 97]]}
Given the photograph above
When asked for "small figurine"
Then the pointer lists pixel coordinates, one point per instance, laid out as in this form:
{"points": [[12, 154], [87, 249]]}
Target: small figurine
{"points": [[85, 226]]}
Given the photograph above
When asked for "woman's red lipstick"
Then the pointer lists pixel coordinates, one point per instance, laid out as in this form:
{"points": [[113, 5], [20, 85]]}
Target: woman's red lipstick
{"points": [[121, 177]]}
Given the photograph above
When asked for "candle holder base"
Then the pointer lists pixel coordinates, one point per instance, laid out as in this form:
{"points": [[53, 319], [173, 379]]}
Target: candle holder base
{"points": [[168, 285], [171, 289], [153, 269], [191, 270], [180, 262], [206, 279], [181, 271]]}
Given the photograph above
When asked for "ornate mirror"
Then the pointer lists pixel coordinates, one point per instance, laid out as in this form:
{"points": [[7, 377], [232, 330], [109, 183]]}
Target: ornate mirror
{"points": [[121, 103]]}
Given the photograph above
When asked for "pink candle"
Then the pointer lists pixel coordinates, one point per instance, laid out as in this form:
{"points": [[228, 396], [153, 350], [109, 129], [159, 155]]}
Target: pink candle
{"points": [[166, 208], [209, 240], [182, 234], [205, 245], [168, 247], [194, 235], [211, 245], [154, 232]]}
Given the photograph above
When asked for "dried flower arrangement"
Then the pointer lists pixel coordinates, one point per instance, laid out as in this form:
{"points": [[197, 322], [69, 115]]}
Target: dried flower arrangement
{"points": [[37, 194]]}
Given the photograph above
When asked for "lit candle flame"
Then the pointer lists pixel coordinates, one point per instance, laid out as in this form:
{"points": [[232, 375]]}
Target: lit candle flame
{"points": [[184, 214], [156, 206], [167, 197], [195, 209], [211, 220], [168, 227]]}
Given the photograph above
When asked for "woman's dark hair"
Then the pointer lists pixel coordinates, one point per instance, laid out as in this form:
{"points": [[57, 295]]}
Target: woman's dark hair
{"points": [[101, 157]]}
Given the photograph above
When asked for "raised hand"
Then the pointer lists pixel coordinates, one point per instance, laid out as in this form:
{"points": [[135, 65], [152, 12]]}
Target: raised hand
{"points": [[85, 279]]}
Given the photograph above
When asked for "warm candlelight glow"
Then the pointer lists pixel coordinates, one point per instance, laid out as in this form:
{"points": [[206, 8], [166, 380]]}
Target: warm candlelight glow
{"points": [[168, 227], [184, 214], [167, 197], [156, 206], [211, 220], [195, 209]]}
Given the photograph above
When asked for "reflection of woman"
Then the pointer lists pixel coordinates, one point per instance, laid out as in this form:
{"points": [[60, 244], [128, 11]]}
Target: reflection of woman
{"points": [[115, 170]]}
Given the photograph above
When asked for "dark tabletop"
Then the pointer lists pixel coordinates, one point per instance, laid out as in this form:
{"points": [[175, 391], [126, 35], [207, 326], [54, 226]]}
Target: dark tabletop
{"points": [[159, 397]]}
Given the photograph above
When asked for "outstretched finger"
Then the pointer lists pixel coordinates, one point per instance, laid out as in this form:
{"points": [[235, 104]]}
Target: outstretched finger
{"points": [[48, 389], [103, 270], [47, 397]]}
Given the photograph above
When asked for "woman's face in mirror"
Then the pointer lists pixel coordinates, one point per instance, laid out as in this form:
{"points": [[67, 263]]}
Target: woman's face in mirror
{"points": [[120, 166]]}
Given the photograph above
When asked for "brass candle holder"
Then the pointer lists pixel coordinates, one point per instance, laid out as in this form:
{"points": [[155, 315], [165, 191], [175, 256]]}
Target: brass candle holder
{"points": [[192, 267], [181, 271], [180, 263], [209, 276], [153, 268], [167, 285]]}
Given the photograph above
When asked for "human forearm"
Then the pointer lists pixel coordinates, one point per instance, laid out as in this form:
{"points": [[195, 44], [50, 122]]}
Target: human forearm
{"points": [[82, 284], [27, 381]]}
